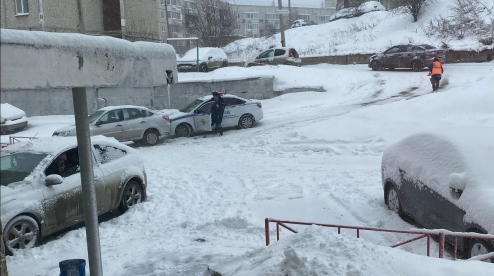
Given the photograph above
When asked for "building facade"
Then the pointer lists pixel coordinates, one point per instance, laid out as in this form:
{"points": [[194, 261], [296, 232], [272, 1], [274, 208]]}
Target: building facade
{"points": [[100, 17]]}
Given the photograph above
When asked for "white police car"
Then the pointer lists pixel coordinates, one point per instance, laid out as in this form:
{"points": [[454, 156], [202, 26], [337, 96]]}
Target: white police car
{"points": [[196, 116]]}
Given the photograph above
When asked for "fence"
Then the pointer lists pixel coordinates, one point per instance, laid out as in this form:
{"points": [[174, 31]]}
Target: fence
{"points": [[442, 234], [13, 139]]}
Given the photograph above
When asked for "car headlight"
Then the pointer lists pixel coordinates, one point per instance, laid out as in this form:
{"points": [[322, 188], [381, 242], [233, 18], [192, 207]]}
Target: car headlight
{"points": [[63, 134]]}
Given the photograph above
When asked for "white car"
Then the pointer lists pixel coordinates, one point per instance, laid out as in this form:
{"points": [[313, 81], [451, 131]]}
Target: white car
{"points": [[209, 59], [125, 123], [12, 118], [41, 194], [196, 116]]}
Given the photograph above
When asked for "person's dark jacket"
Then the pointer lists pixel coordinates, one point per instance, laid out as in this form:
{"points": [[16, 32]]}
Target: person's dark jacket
{"points": [[217, 111]]}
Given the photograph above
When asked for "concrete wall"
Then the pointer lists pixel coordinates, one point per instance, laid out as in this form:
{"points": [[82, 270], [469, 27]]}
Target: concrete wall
{"points": [[38, 102]]}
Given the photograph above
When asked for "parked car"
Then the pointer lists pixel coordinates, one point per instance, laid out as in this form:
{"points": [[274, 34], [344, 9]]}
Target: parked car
{"points": [[125, 123], [209, 59], [275, 56], [301, 22], [443, 179], [38, 199], [12, 119], [196, 116], [415, 57], [365, 7]]}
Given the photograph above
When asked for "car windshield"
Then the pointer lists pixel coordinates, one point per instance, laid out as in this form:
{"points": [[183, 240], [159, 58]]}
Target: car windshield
{"points": [[191, 106], [16, 167], [95, 116]]}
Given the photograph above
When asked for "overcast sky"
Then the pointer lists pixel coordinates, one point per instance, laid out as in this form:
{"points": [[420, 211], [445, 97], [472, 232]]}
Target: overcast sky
{"points": [[299, 3]]}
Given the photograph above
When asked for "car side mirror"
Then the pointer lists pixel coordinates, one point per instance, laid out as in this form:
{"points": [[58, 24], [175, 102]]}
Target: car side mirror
{"points": [[53, 179], [457, 182], [210, 57], [98, 123]]}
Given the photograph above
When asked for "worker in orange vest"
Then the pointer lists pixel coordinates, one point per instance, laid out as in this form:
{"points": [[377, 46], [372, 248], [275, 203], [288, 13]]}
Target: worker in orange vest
{"points": [[435, 71]]}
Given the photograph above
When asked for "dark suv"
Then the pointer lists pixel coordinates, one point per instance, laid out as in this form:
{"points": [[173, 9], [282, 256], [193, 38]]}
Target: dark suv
{"points": [[415, 57]]}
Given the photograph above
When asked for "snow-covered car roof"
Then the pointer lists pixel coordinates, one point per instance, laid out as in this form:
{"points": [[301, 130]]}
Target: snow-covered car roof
{"points": [[454, 155], [9, 112], [371, 6], [55, 144], [106, 108], [208, 97], [204, 53]]}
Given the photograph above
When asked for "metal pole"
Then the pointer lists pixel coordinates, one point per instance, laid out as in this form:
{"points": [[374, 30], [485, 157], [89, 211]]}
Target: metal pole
{"points": [[82, 26], [266, 229], [41, 15], [87, 180], [282, 28], [197, 46], [122, 18]]}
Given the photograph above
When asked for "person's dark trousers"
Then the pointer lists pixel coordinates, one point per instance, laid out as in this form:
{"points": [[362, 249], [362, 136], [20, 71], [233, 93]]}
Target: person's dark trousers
{"points": [[218, 129], [435, 82]]}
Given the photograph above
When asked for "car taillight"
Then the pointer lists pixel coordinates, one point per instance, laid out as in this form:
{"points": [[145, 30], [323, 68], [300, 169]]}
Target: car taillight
{"points": [[290, 54], [259, 105], [166, 117]]}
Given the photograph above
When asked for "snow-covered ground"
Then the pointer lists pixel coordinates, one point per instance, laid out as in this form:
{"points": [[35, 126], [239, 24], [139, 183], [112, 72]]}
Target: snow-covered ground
{"points": [[370, 33], [315, 157]]}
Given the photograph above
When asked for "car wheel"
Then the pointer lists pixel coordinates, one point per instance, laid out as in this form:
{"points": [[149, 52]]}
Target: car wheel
{"points": [[182, 130], [417, 66], [132, 195], [246, 121], [393, 200], [203, 68], [21, 232], [151, 137], [250, 65], [376, 66], [479, 247], [224, 64], [288, 63]]}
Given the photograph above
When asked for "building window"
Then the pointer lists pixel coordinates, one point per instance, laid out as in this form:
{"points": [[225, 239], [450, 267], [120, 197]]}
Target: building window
{"points": [[190, 5], [324, 18], [237, 26], [163, 2], [22, 7], [251, 15], [162, 15], [175, 2], [305, 17], [272, 16], [173, 29], [251, 26], [175, 15], [163, 28]]}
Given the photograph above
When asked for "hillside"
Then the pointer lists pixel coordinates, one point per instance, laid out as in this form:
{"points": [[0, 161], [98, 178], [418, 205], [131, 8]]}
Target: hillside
{"points": [[370, 33]]}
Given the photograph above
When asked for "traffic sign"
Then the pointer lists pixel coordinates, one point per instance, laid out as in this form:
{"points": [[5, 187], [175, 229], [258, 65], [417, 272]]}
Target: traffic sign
{"points": [[282, 12]]}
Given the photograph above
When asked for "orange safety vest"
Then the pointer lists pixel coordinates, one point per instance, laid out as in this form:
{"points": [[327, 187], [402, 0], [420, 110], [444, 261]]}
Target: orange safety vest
{"points": [[436, 68]]}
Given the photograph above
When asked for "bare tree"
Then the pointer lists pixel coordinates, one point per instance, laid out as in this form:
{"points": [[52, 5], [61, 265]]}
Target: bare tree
{"points": [[212, 21], [413, 6]]}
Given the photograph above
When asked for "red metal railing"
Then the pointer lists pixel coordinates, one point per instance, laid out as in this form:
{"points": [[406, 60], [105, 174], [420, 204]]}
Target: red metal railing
{"points": [[13, 139], [423, 233]]}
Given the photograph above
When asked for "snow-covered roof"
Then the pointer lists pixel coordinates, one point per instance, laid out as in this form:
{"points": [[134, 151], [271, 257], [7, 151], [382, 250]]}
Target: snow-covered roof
{"points": [[439, 157], [55, 144], [9, 112]]}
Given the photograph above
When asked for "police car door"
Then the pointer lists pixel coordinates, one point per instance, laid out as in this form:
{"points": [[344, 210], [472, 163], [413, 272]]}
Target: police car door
{"points": [[202, 117], [233, 111]]}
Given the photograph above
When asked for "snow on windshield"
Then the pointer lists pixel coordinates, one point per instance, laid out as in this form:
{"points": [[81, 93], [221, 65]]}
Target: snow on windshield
{"points": [[437, 157]]}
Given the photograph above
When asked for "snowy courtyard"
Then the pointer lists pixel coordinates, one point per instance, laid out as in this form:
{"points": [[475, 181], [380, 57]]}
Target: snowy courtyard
{"points": [[315, 157]]}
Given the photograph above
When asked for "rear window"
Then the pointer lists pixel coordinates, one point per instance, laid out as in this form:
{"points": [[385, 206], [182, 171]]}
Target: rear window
{"points": [[233, 101], [107, 154], [279, 52]]}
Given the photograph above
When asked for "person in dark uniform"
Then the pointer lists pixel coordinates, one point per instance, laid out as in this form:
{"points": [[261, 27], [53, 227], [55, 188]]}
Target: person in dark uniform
{"points": [[435, 71], [217, 113]]}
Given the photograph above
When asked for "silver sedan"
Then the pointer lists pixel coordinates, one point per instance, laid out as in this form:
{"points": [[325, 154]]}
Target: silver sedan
{"points": [[125, 123]]}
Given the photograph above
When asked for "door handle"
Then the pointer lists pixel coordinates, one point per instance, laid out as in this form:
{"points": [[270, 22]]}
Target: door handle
{"points": [[118, 125], [142, 122]]}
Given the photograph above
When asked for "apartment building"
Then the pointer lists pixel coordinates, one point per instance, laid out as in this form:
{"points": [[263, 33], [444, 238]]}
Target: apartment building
{"points": [[100, 17]]}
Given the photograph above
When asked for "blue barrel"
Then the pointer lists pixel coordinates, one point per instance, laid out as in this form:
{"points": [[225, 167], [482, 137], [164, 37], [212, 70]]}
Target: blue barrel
{"points": [[74, 267]]}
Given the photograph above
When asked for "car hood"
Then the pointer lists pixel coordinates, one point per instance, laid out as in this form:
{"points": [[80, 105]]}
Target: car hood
{"points": [[65, 129]]}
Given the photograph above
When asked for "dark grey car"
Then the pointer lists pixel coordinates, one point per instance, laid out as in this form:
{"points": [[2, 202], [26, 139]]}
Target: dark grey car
{"points": [[415, 57]]}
